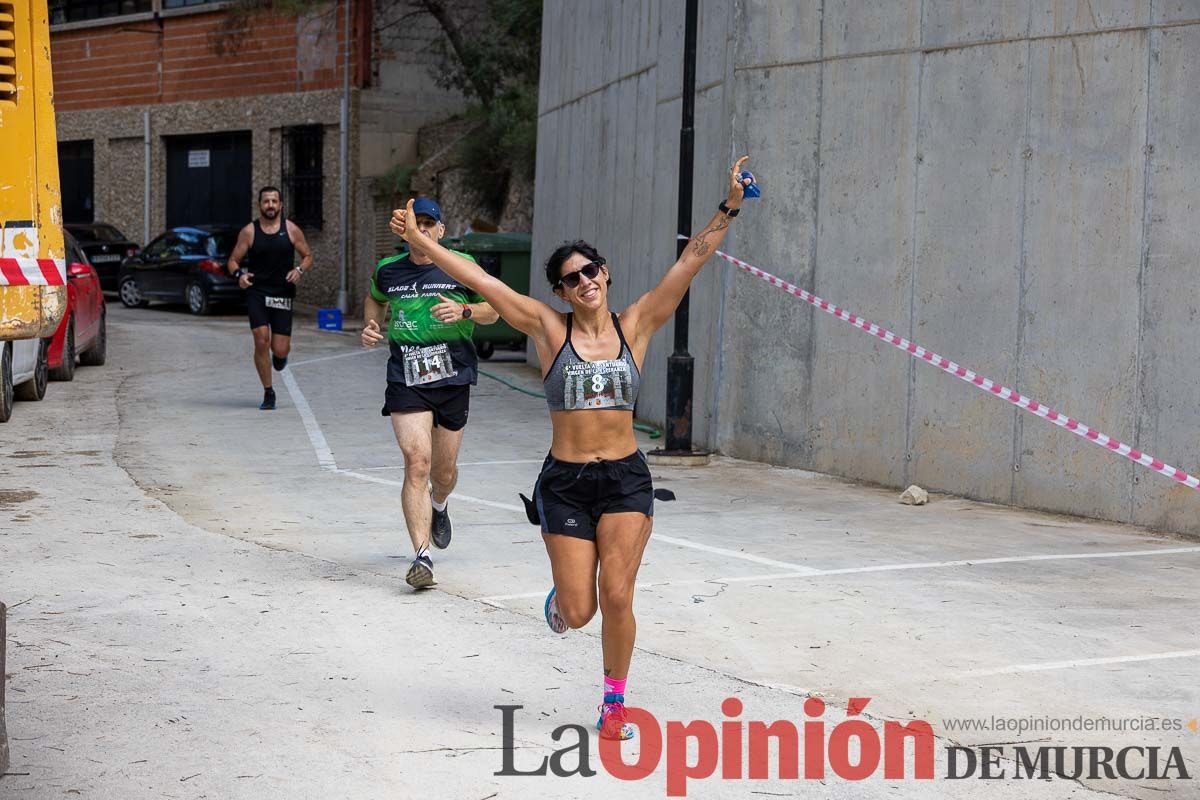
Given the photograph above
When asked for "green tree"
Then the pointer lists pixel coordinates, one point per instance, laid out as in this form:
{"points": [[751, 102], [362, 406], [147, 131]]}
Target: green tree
{"points": [[494, 62]]}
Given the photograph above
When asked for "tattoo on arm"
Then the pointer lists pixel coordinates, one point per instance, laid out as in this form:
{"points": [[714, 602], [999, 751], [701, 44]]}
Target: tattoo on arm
{"points": [[700, 245]]}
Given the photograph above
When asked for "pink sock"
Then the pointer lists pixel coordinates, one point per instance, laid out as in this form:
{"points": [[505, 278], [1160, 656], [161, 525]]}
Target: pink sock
{"points": [[614, 686]]}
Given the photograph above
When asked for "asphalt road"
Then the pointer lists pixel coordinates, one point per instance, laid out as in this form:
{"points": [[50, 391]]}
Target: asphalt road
{"points": [[208, 601]]}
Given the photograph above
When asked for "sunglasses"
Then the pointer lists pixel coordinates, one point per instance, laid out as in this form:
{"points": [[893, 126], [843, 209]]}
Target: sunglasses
{"points": [[590, 271]]}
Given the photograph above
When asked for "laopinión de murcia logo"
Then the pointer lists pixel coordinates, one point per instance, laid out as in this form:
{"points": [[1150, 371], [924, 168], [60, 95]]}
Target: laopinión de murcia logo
{"points": [[855, 749]]}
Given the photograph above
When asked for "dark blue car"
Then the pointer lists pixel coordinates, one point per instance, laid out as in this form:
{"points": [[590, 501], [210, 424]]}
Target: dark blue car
{"points": [[183, 265]]}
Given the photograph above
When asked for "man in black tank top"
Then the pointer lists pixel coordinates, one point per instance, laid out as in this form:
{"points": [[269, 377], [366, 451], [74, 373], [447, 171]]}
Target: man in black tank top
{"points": [[264, 261]]}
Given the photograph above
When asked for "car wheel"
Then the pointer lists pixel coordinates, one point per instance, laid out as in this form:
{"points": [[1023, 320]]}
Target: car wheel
{"points": [[197, 299], [486, 349], [6, 387], [66, 370], [35, 389], [97, 354], [131, 294]]}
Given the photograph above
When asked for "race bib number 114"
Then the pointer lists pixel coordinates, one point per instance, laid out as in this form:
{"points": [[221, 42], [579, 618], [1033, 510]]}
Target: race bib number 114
{"points": [[428, 364]]}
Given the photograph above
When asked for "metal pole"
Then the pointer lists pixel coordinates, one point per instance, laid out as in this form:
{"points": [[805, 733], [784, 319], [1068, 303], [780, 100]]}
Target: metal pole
{"points": [[680, 365], [146, 179], [344, 169]]}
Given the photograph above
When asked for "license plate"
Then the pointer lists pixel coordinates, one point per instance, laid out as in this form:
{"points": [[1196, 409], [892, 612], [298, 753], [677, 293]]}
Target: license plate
{"points": [[105, 259]]}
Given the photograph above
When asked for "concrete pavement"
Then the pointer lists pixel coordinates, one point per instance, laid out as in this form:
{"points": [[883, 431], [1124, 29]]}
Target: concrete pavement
{"points": [[208, 600]]}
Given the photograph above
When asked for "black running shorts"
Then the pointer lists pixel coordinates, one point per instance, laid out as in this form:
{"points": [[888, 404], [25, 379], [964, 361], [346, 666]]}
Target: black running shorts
{"points": [[267, 310], [449, 404], [571, 498]]}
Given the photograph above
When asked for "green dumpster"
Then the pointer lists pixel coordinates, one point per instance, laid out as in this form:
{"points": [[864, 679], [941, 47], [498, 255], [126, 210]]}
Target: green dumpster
{"points": [[505, 255]]}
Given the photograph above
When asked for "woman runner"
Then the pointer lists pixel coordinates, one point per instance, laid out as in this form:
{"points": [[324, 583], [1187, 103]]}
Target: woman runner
{"points": [[594, 495]]}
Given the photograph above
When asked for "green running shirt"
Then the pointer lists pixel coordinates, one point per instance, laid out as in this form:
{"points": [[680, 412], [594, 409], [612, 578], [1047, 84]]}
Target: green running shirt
{"points": [[424, 351]]}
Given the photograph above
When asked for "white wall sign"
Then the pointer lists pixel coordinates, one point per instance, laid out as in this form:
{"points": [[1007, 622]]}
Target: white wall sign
{"points": [[197, 158]]}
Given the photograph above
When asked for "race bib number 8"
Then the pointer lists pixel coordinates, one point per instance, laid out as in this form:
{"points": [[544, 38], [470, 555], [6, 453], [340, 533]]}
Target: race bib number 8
{"points": [[597, 384], [428, 364]]}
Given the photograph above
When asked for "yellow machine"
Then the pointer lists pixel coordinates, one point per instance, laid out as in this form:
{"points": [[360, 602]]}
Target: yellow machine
{"points": [[33, 293]]}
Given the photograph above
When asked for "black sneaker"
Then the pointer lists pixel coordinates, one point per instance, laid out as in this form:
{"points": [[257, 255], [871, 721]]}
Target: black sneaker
{"points": [[278, 363], [420, 573], [268, 403], [440, 529]]}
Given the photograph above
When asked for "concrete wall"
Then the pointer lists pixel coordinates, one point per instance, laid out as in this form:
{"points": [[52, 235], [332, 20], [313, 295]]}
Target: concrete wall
{"points": [[608, 154], [1012, 184]]}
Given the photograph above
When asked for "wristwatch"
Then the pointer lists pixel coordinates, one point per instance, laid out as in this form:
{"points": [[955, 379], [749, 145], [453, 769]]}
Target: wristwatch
{"points": [[727, 211], [466, 311]]}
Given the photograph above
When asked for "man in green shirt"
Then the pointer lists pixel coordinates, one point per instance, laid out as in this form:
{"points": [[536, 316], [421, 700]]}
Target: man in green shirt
{"points": [[433, 365]]}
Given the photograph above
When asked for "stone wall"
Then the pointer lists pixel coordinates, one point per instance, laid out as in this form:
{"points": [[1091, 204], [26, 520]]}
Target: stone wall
{"points": [[119, 165]]}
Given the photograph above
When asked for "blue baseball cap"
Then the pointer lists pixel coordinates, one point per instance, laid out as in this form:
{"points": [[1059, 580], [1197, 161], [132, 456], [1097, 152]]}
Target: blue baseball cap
{"points": [[423, 206]]}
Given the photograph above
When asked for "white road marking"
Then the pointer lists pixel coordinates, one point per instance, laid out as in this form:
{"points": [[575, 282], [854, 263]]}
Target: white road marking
{"points": [[460, 464], [809, 572], [363, 351], [966, 562], [1079, 662], [497, 600], [464, 497], [796, 569], [319, 445], [325, 459]]}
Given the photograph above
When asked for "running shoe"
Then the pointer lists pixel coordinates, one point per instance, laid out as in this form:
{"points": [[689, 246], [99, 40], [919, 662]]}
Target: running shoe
{"points": [[278, 363], [420, 573], [440, 532], [553, 618], [268, 403], [612, 724]]}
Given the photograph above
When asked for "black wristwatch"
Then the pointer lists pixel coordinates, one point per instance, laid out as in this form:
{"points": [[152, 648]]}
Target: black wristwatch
{"points": [[466, 311], [727, 211]]}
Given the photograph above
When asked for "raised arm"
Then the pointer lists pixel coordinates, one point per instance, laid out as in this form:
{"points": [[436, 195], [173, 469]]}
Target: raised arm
{"points": [[527, 315], [652, 310]]}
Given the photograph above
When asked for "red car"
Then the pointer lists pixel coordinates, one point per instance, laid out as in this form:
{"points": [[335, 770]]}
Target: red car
{"points": [[82, 333]]}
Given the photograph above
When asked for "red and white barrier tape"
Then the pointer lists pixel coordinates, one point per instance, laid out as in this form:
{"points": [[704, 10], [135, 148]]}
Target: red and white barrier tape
{"points": [[33, 272], [962, 373]]}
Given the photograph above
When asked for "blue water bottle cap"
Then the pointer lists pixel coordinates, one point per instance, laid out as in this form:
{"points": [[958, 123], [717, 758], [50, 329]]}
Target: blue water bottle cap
{"points": [[751, 191]]}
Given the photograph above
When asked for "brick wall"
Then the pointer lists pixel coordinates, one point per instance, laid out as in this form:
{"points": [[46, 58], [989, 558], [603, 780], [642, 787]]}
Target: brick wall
{"points": [[196, 57]]}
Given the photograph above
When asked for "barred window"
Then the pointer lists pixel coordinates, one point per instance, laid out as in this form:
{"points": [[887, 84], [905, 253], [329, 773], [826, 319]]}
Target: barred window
{"points": [[303, 174], [79, 10]]}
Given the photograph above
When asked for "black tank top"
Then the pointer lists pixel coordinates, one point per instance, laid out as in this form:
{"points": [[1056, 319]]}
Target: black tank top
{"points": [[271, 258]]}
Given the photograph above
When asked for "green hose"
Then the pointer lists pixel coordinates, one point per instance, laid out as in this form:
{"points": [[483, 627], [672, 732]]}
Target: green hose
{"points": [[645, 428], [654, 432]]}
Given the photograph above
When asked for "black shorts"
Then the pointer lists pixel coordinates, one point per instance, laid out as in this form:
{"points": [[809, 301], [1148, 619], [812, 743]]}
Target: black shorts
{"points": [[449, 404], [267, 310], [571, 498]]}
